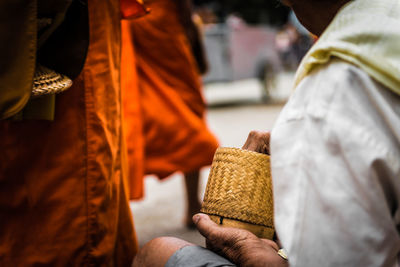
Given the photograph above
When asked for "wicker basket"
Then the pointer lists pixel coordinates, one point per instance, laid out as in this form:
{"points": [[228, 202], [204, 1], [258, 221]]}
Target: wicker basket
{"points": [[239, 191], [47, 82]]}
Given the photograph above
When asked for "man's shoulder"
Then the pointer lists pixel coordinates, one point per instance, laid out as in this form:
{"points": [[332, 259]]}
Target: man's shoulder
{"points": [[341, 71], [336, 79], [336, 87], [316, 93]]}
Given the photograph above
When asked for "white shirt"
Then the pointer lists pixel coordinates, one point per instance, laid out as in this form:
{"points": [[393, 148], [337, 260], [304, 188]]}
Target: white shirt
{"points": [[335, 159]]}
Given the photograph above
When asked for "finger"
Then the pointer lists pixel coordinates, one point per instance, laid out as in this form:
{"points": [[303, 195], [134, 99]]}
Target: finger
{"points": [[223, 241], [257, 142], [217, 237], [270, 243], [205, 225]]}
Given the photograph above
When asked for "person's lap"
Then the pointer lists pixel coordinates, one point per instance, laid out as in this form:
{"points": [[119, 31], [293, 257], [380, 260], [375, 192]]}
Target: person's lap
{"points": [[196, 256], [174, 252]]}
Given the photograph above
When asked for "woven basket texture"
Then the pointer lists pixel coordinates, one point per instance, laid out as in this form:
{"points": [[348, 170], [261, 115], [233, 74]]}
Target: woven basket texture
{"points": [[239, 187], [258, 230], [47, 81]]}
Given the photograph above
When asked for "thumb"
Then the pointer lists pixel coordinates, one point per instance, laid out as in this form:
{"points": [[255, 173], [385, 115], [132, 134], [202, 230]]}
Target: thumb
{"points": [[204, 224]]}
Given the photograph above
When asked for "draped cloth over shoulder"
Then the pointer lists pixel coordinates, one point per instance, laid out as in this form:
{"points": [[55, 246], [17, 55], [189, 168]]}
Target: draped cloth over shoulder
{"points": [[63, 193], [366, 34], [166, 128]]}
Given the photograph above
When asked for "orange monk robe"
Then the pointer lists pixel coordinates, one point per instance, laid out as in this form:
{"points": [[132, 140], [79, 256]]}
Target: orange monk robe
{"points": [[63, 197], [175, 136], [133, 9], [132, 112]]}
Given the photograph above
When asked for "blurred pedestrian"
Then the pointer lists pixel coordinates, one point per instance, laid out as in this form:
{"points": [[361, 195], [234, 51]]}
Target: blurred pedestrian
{"points": [[167, 131], [63, 194]]}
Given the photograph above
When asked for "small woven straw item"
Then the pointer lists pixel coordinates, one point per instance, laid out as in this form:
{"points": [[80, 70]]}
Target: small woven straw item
{"points": [[47, 82], [239, 191]]}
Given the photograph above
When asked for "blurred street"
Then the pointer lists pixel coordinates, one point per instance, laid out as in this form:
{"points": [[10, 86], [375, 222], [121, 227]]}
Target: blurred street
{"points": [[235, 109]]}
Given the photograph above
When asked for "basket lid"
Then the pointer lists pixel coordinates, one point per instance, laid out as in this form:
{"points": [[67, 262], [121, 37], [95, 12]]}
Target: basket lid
{"points": [[47, 82]]}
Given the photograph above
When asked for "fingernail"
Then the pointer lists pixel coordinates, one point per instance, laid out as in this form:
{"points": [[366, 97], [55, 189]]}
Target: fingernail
{"points": [[196, 218]]}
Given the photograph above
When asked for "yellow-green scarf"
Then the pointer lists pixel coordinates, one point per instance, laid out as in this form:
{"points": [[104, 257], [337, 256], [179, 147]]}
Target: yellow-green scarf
{"points": [[365, 33]]}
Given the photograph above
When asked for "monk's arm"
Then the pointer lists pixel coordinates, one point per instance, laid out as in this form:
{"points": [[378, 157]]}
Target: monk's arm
{"points": [[185, 12], [193, 34]]}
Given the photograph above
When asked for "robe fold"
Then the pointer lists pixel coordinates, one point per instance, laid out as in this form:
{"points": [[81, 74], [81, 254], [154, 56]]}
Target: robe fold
{"points": [[63, 194], [167, 129]]}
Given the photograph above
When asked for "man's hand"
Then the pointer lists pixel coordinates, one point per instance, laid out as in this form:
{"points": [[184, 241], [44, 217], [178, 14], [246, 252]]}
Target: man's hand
{"points": [[239, 246], [257, 142]]}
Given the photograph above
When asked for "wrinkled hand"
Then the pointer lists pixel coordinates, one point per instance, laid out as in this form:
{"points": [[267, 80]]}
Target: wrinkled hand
{"points": [[239, 246], [258, 142]]}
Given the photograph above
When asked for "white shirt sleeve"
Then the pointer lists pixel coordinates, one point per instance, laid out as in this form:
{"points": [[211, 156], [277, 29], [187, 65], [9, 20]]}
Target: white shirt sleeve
{"points": [[335, 159]]}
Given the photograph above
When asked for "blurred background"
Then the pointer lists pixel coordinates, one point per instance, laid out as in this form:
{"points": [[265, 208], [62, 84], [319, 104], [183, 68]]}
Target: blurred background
{"points": [[253, 48]]}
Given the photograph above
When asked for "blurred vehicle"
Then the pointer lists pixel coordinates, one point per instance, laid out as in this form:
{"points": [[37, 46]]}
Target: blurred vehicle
{"points": [[237, 51]]}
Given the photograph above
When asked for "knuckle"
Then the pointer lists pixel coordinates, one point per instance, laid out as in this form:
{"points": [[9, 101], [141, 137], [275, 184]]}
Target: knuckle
{"points": [[213, 236], [235, 247], [253, 134]]}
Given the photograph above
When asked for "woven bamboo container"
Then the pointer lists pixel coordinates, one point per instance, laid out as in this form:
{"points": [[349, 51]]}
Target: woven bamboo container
{"points": [[47, 82], [239, 191]]}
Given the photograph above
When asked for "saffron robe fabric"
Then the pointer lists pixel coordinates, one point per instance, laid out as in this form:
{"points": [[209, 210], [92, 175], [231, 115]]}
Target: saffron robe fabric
{"points": [[63, 194], [174, 135]]}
